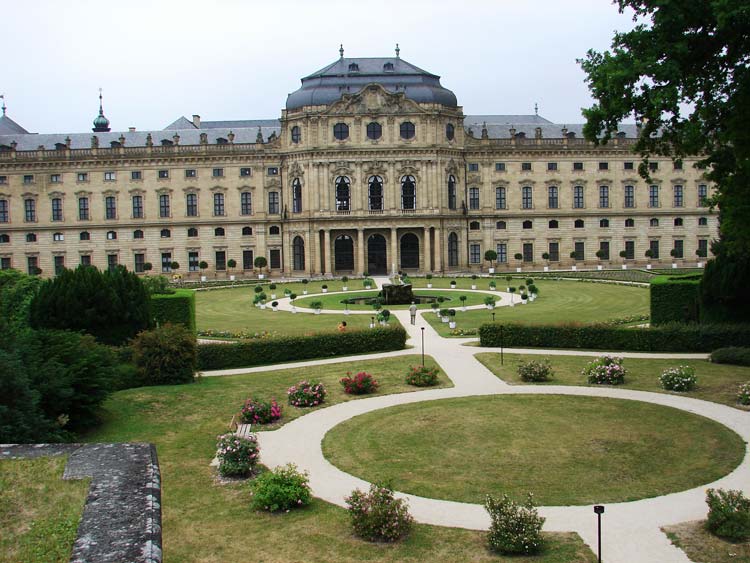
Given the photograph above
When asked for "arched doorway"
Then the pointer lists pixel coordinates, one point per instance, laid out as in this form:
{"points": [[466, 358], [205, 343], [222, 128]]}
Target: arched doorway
{"points": [[343, 252], [298, 253], [377, 259], [409, 252]]}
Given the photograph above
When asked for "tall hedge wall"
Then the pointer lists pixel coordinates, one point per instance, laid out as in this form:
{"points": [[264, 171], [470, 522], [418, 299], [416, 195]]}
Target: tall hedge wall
{"points": [[175, 308], [292, 348], [675, 299], [674, 337]]}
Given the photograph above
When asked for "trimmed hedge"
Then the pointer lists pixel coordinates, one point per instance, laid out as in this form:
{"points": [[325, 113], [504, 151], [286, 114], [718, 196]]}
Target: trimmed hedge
{"points": [[665, 338], [291, 348], [731, 355], [675, 299], [175, 308]]}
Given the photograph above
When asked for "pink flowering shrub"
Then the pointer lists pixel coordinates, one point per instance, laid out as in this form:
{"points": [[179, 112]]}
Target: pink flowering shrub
{"points": [[516, 528], [256, 411], [422, 376], [605, 370], [237, 455], [378, 515], [306, 394], [360, 384]]}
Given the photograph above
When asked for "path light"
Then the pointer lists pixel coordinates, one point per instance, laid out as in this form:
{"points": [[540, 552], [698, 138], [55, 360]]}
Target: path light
{"points": [[599, 510], [422, 346], [372, 322], [493, 316]]}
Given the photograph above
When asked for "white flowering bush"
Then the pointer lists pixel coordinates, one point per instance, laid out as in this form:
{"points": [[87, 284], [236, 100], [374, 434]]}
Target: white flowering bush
{"points": [[534, 370], [379, 515], [605, 370], [681, 378], [237, 455], [516, 528], [743, 394]]}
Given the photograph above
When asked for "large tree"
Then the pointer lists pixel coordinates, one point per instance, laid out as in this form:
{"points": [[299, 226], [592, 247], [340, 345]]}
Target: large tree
{"points": [[684, 73]]}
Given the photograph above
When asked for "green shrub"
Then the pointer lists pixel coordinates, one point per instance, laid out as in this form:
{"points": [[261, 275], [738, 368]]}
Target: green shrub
{"points": [[378, 515], [515, 529], [735, 356], [422, 376], [728, 514], [157, 285], [175, 308], [17, 291], [291, 348], [256, 411], [681, 378], [534, 370], [605, 370], [675, 299], [674, 337], [743, 394], [165, 355], [279, 490], [237, 455], [306, 394]]}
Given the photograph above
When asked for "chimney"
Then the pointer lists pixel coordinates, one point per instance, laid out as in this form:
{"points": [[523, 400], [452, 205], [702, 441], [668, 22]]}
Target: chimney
{"points": [[197, 121], [131, 129]]}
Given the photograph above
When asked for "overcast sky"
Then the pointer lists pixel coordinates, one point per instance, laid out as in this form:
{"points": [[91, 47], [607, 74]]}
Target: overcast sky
{"points": [[232, 59]]}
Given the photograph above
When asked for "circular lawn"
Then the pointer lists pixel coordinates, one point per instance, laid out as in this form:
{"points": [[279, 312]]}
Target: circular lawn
{"points": [[452, 299]]}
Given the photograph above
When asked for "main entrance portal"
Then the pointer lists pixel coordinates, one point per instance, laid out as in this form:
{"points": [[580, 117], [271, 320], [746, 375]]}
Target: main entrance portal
{"points": [[377, 259]]}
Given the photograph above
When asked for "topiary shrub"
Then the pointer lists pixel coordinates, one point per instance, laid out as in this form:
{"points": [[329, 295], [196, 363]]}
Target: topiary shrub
{"points": [[728, 514], [306, 394], [237, 455], [361, 384], [256, 411], [605, 370], [378, 515], [681, 378], [422, 376], [165, 355], [515, 529], [733, 355], [279, 490], [534, 370], [177, 307]]}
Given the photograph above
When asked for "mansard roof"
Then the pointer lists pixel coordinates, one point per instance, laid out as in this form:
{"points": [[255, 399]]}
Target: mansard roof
{"points": [[10, 127]]}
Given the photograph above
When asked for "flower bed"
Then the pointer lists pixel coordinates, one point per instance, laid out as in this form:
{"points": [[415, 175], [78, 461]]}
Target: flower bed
{"points": [[256, 411], [306, 394], [361, 384], [237, 455], [605, 370]]}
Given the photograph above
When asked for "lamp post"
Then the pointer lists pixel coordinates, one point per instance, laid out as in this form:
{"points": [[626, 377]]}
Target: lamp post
{"points": [[372, 322], [599, 510], [422, 346], [493, 316]]}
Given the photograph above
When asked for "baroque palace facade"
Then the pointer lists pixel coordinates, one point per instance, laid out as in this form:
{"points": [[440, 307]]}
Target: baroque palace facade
{"points": [[372, 167]]}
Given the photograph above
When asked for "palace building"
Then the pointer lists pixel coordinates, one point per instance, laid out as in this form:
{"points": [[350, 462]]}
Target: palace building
{"points": [[372, 167]]}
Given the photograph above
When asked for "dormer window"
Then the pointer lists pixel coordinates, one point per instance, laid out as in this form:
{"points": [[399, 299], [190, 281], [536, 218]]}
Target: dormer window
{"points": [[388, 67], [353, 67], [166, 143], [221, 141]]}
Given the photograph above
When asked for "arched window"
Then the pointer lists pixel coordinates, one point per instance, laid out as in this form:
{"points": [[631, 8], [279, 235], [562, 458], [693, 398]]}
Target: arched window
{"points": [[629, 223], [341, 131], [453, 249], [653, 222], [343, 193], [192, 232], [604, 223], [374, 131], [678, 222], [275, 230], [343, 252], [298, 253], [451, 192], [450, 131], [501, 225], [165, 233], [408, 192], [527, 225], [296, 134], [407, 130], [296, 196], [554, 224], [247, 231], [375, 193], [31, 237], [578, 224], [85, 235], [702, 221], [409, 251], [474, 226], [219, 232]]}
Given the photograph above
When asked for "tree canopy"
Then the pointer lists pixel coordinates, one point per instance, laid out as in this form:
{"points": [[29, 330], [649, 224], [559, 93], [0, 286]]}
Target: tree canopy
{"points": [[683, 72]]}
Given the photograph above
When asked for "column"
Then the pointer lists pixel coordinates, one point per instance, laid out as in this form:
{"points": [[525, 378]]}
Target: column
{"points": [[361, 252], [438, 249], [286, 251], [327, 251], [427, 264], [394, 251]]}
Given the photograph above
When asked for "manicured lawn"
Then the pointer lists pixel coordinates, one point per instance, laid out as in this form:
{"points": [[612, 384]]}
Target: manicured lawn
{"points": [[565, 450], [39, 512], [716, 382], [701, 545], [205, 521], [558, 302], [233, 310], [452, 299]]}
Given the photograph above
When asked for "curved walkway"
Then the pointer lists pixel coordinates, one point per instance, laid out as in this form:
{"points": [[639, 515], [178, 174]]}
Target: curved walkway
{"points": [[631, 530]]}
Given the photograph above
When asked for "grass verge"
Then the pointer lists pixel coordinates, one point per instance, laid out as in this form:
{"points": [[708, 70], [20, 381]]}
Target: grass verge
{"points": [[701, 545]]}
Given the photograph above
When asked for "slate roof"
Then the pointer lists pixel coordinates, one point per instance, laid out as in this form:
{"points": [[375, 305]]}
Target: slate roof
{"points": [[498, 126], [9, 127]]}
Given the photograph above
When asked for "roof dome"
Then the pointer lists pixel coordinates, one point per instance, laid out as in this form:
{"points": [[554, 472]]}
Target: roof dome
{"points": [[348, 76], [101, 123]]}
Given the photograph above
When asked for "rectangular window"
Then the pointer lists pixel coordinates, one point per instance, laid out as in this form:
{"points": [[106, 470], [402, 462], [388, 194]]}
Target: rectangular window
{"points": [[500, 201], [191, 205], [217, 173], [137, 201], [246, 171], [473, 198], [604, 166], [83, 209], [629, 196], [110, 207], [28, 179], [218, 205], [166, 262], [474, 257], [526, 166], [274, 258], [136, 175], [653, 246], [5, 263], [140, 260], [4, 214], [526, 198], [83, 177], [473, 167], [528, 252], [191, 173], [579, 249], [653, 196], [499, 167], [193, 263], [111, 261], [678, 196], [272, 171], [3, 180], [57, 209], [55, 179], [552, 166], [578, 166], [29, 210], [164, 205], [679, 249], [702, 195], [246, 203], [247, 259], [628, 166], [604, 250], [110, 176], [554, 252], [32, 265], [273, 203], [629, 249], [163, 174], [653, 166], [553, 200], [604, 196], [677, 165], [502, 253], [703, 247], [59, 262], [578, 197], [221, 260]]}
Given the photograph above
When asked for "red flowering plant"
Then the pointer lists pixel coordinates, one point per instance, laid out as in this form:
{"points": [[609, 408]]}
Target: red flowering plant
{"points": [[361, 384], [306, 394], [422, 376], [237, 455], [256, 411]]}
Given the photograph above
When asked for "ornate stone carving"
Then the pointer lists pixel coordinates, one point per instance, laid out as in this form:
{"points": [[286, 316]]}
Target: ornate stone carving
{"points": [[373, 99]]}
